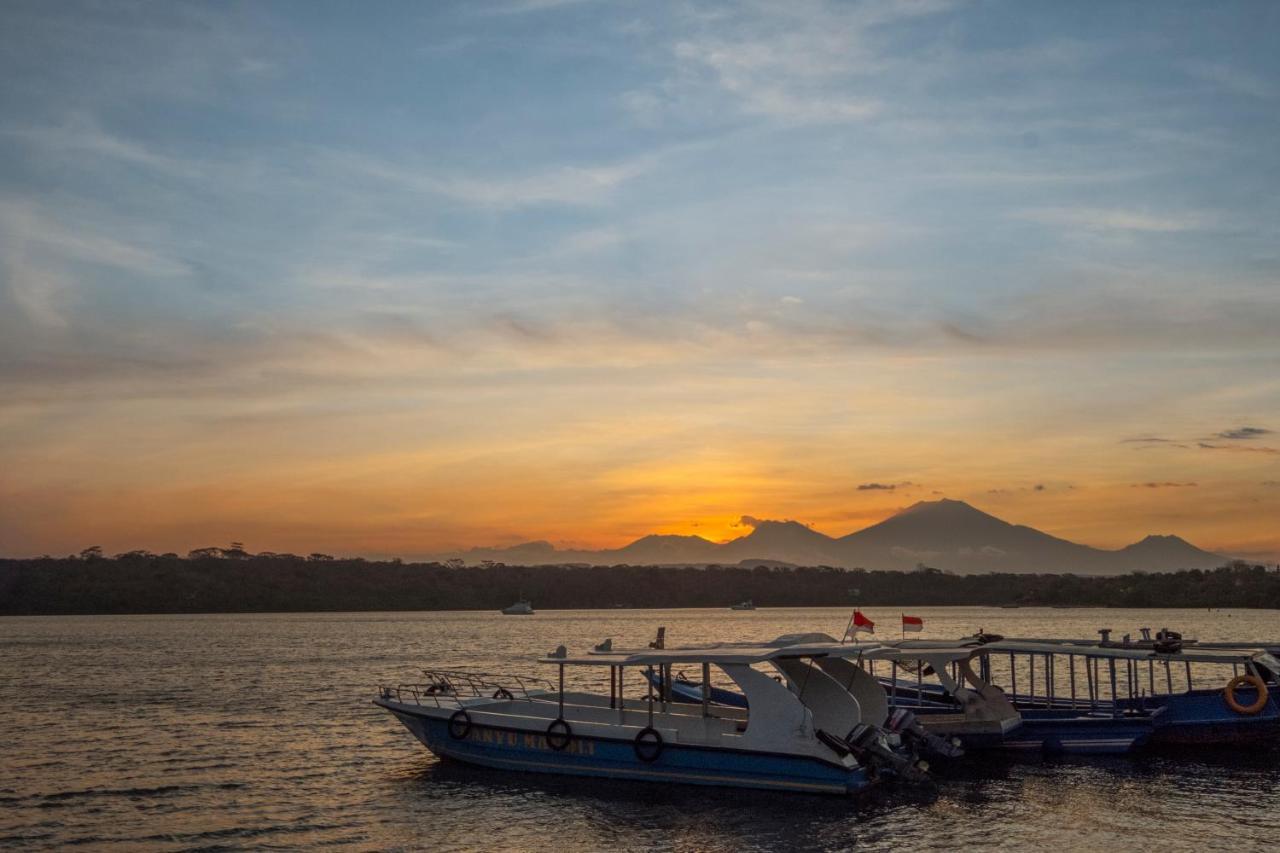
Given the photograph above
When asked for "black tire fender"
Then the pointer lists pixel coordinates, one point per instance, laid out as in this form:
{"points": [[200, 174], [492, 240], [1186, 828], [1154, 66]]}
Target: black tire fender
{"points": [[559, 734], [648, 744], [460, 724]]}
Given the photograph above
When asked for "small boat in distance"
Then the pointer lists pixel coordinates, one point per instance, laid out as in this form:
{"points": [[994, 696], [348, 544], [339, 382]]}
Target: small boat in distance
{"points": [[520, 608], [744, 605]]}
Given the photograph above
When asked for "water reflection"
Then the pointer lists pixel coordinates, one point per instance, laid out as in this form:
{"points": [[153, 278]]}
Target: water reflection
{"points": [[254, 731]]}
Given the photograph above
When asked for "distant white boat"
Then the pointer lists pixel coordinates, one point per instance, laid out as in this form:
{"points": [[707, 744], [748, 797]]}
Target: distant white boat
{"points": [[520, 608], [744, 605]]}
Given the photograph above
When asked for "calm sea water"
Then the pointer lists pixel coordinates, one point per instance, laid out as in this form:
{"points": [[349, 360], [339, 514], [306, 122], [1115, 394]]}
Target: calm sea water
{"points": [[256, 732]]}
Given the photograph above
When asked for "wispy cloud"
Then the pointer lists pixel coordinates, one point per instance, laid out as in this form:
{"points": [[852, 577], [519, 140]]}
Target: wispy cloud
{"points": [[1236, 448], [525, 7], [1233, 79], [1244, 433], [567, 185], [40, 256], [25, 224], [1165, 485], [796, 65], [1103, 219], [82, 137]]}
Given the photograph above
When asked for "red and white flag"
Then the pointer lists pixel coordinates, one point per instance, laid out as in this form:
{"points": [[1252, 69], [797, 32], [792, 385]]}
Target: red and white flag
{"points": [[859, 623], [912, 623]]}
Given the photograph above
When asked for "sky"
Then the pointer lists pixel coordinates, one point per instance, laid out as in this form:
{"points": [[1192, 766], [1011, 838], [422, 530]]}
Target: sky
{"points": [[391, 279]]}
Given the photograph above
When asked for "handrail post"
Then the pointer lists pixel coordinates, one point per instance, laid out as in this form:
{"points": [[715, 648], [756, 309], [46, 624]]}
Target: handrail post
{"points": [[1071, 661], [1031, 690], [1115, 699], [650, 680]]}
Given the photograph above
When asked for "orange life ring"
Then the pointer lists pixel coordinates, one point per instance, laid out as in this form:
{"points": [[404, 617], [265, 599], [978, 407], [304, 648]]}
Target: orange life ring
{"points": [[1230, 694]]}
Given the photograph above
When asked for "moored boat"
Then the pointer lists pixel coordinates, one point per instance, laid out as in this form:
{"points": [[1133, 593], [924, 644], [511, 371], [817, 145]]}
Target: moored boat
{"points": [[948, 688], [1205, 694], [817, 742], [520, 608], [744, 605]]}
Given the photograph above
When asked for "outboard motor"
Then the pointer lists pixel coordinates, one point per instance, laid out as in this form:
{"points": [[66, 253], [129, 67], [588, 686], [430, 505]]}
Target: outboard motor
{"points": [[1168, 642], [868, 743], [905, 724]]}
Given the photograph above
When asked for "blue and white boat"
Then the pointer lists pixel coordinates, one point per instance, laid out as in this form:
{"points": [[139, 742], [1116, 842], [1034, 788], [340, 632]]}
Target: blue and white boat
{"points": [[1198, 694], [948, 688], [816, 742], [1055, 728], [982, 719]]}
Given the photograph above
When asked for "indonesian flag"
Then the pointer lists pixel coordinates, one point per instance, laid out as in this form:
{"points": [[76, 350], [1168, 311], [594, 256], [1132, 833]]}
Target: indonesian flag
{"points": [[912, 623], [859, 623]]}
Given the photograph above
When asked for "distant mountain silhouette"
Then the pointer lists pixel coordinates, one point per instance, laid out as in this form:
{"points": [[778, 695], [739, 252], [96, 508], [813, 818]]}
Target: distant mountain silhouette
{"points": [[944, 534]]}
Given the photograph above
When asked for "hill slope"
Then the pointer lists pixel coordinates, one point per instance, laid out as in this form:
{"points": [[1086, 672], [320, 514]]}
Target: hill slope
{"points": [[945, 534]]}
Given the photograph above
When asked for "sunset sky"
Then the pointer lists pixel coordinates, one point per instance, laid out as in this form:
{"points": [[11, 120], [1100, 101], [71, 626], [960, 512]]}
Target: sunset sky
{"points": [[396, 279]]}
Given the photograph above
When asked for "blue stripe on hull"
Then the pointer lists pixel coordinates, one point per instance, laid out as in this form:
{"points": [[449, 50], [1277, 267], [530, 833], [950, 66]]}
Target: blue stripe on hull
{"points": [[1062, 733], [508, 750], [1203, 717]]}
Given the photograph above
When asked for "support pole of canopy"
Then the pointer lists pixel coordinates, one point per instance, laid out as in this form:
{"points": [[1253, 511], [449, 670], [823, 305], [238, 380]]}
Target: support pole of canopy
{"points": [[706, 689], [650, 695], [1115, 699], [1168, 677], [1013, 678], [1088, 674], [562, 690], [893, 685], [1189, 685], [613, 686], [1071, 661]]}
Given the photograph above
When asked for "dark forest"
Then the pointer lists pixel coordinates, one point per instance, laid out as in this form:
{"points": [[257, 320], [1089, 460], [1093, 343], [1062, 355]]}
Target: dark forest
{"points": [[231, 580]]}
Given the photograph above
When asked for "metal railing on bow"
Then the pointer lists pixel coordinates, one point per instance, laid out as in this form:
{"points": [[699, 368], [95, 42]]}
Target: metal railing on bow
{"points": [[448, 686]]}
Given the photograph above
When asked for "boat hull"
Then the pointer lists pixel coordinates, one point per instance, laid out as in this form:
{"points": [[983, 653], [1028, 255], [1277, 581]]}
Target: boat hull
{"points": [[1064, 733], [528, 751], [1202, 717]]}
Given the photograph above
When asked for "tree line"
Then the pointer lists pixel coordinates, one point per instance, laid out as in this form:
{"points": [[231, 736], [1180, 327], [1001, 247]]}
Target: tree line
{"points": [[232, 580]]}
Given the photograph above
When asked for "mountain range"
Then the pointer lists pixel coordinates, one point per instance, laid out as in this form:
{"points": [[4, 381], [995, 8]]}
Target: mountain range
{"points": [[944, 534]]}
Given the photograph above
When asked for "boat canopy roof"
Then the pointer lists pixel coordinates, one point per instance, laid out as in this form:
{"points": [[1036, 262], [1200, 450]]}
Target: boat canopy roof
{"points": [[1195, 654], [743, 653]]}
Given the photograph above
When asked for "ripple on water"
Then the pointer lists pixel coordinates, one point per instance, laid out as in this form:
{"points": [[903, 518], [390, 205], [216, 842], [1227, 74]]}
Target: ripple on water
{"points": [[256, 732]]}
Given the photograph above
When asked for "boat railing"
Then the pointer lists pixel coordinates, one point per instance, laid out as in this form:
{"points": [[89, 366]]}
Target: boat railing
{"points": [[450, 685]]}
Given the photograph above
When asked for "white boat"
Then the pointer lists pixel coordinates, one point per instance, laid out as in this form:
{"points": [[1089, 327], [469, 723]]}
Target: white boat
{"points": [[816, 740], [982, 717], [744, 605], [520, 608]]}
